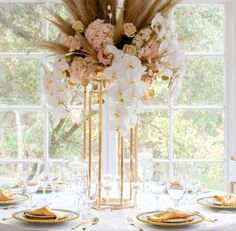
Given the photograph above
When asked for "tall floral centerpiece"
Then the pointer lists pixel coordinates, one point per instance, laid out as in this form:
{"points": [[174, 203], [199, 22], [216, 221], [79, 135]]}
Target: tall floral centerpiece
{"points": [[119, 48]]}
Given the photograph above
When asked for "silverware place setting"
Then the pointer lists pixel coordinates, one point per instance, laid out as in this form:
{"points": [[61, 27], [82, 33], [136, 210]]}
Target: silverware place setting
{"points": [[131, 221], [85, 224]]}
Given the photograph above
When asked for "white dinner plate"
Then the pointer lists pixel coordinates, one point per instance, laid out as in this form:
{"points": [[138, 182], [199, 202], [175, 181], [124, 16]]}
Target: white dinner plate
{"points": [[38, 216], [213, 201], [179, 220]]}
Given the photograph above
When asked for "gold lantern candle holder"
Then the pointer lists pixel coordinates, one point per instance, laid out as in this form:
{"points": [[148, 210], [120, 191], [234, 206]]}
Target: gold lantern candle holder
{"points": [[124, 198]]}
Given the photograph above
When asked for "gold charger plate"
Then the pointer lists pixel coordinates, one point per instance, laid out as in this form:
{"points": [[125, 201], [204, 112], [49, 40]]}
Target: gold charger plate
{"points": [[197, 218], [18, 198], [206, 201], [20, 216]]}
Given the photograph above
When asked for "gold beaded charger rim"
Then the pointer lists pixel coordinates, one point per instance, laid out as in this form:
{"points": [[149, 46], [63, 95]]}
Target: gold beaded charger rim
{"points": [[19, 197], [205, 201], [72, 215], [142, 217]]}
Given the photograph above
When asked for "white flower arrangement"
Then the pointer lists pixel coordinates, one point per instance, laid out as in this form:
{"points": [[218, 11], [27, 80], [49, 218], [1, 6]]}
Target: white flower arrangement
{"points": [[130, 54]]}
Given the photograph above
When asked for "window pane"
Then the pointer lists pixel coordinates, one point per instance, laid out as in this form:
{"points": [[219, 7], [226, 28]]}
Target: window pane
{"points": [[8, 175], [153, 134], [211, 175], [200, 28], [53, 30], [66, 136], [203, 83], [161, 168], [77, 96], [199, 134], [11, 173], [21, 135], [17, 19], [161, 96], [20, 80]]}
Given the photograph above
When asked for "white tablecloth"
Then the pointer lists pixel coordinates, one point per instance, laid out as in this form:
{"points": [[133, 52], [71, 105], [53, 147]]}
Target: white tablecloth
{"points": [[117, 220]]}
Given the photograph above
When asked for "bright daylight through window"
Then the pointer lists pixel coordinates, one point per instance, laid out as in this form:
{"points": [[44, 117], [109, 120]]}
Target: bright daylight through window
{"points": [[186, 135]]}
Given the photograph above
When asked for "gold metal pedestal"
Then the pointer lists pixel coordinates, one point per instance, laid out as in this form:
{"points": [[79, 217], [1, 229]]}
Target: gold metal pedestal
{"points": [[125, 199]]}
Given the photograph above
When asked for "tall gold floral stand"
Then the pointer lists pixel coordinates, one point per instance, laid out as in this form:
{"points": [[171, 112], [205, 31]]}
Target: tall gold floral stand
{"points": [[122, 200]]}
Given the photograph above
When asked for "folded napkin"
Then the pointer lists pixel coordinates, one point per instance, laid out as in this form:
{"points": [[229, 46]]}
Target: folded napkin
{"points": [[169, 214], [47, 212], [226, 200], [176, 185], [6, 195]]}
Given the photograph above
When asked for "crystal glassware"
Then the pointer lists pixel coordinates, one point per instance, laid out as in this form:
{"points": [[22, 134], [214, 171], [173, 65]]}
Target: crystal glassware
{"points": [[176, 191], [135, 187], [44, 180], [25, 173], [157, 185]]}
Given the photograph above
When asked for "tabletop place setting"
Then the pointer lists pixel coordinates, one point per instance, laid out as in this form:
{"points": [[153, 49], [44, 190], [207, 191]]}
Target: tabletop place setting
{"points": [[172, 202], [36, 206]]}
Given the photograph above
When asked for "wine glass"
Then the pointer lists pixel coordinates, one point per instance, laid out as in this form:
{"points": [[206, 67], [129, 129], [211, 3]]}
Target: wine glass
{"points": [[176, 191], [25, 173], [196, 186], [187, 182], [32, 184], [44, 179], [66, 176], [79, 183], [135, 187], [54, 177], [157, 185]]}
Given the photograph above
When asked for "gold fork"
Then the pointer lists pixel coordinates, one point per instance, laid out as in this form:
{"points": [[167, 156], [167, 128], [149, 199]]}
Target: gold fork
{"points": [[209, 219], [133, 223], [94, 221], [7, 218]]}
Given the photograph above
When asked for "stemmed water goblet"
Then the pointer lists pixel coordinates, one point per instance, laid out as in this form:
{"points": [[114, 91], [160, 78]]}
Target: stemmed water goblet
{"points": [[25, 173], [135, 188], [176, 191], [157, 185], [187, 182], [79, 184], [44, 178], [195, 187]]}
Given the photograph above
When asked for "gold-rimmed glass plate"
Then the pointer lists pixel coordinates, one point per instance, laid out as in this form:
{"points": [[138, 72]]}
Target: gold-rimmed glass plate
{"points": [[20, 216], [18, 198], [210, 202], [195, 219]]}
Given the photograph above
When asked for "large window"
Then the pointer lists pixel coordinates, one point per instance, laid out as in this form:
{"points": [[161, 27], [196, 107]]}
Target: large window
{"points": [[186, 134]]}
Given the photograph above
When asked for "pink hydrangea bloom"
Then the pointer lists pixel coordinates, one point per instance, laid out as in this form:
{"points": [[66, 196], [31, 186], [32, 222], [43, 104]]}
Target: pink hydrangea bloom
{"points": [[72, 42], [146, 33], [81, 70], [104, 58], [149, 50], [143, 36], [138, 41], [99, 34]]}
